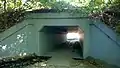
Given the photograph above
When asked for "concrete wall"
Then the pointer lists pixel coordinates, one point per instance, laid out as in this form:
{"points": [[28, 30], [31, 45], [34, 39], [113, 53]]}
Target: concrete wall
{"points": [[102, 47], [30, 39], [14, 40], [48, 42], [33, 37], [58, 19]]}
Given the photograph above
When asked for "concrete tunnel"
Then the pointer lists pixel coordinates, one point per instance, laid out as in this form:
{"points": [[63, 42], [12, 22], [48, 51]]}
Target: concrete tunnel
{"points": [[46, 40], [60, 40]]}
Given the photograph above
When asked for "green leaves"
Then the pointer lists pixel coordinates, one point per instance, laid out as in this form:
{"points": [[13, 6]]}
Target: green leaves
{"points": [[98, 2], [44, 1], [19, 3], [79, 7]]}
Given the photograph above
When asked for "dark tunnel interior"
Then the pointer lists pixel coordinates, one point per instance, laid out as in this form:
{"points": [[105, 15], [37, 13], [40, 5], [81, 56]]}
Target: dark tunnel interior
{"points": [[62, 40]]}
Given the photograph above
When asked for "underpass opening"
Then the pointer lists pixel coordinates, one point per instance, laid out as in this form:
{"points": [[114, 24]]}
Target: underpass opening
{"points": [[62, 40]]}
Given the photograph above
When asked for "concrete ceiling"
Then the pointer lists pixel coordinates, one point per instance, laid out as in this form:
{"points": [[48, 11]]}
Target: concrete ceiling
{"points": [[59, 29]]}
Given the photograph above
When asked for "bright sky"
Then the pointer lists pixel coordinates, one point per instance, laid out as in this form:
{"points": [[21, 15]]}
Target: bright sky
{"points": [[106, 1], [23, 1], [75, 2]]}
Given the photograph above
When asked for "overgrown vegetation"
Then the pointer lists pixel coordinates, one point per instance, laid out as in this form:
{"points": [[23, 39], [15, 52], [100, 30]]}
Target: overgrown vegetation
{"points": [[99, 63], [9, 19], [12, 11]]}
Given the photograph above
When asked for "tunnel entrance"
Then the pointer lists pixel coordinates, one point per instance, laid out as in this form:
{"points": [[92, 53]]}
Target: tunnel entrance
{"points": [[61, 41]]}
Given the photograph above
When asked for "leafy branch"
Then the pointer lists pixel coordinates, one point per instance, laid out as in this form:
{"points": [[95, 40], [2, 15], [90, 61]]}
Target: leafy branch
{"points": [[108, 12]]}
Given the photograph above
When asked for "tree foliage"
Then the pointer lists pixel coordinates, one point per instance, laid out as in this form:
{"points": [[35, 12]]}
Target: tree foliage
{"points": [[106, 10]]}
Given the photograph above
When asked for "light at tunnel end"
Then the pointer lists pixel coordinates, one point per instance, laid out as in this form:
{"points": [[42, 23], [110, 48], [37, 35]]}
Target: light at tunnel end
{"points": [[73, 37]]}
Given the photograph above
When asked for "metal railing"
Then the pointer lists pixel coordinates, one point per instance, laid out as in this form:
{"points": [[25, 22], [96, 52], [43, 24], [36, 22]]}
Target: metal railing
{"points": [[105, 34]]}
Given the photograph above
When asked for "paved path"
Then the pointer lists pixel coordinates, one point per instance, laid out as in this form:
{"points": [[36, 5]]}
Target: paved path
{"points": [[62, 59]]}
